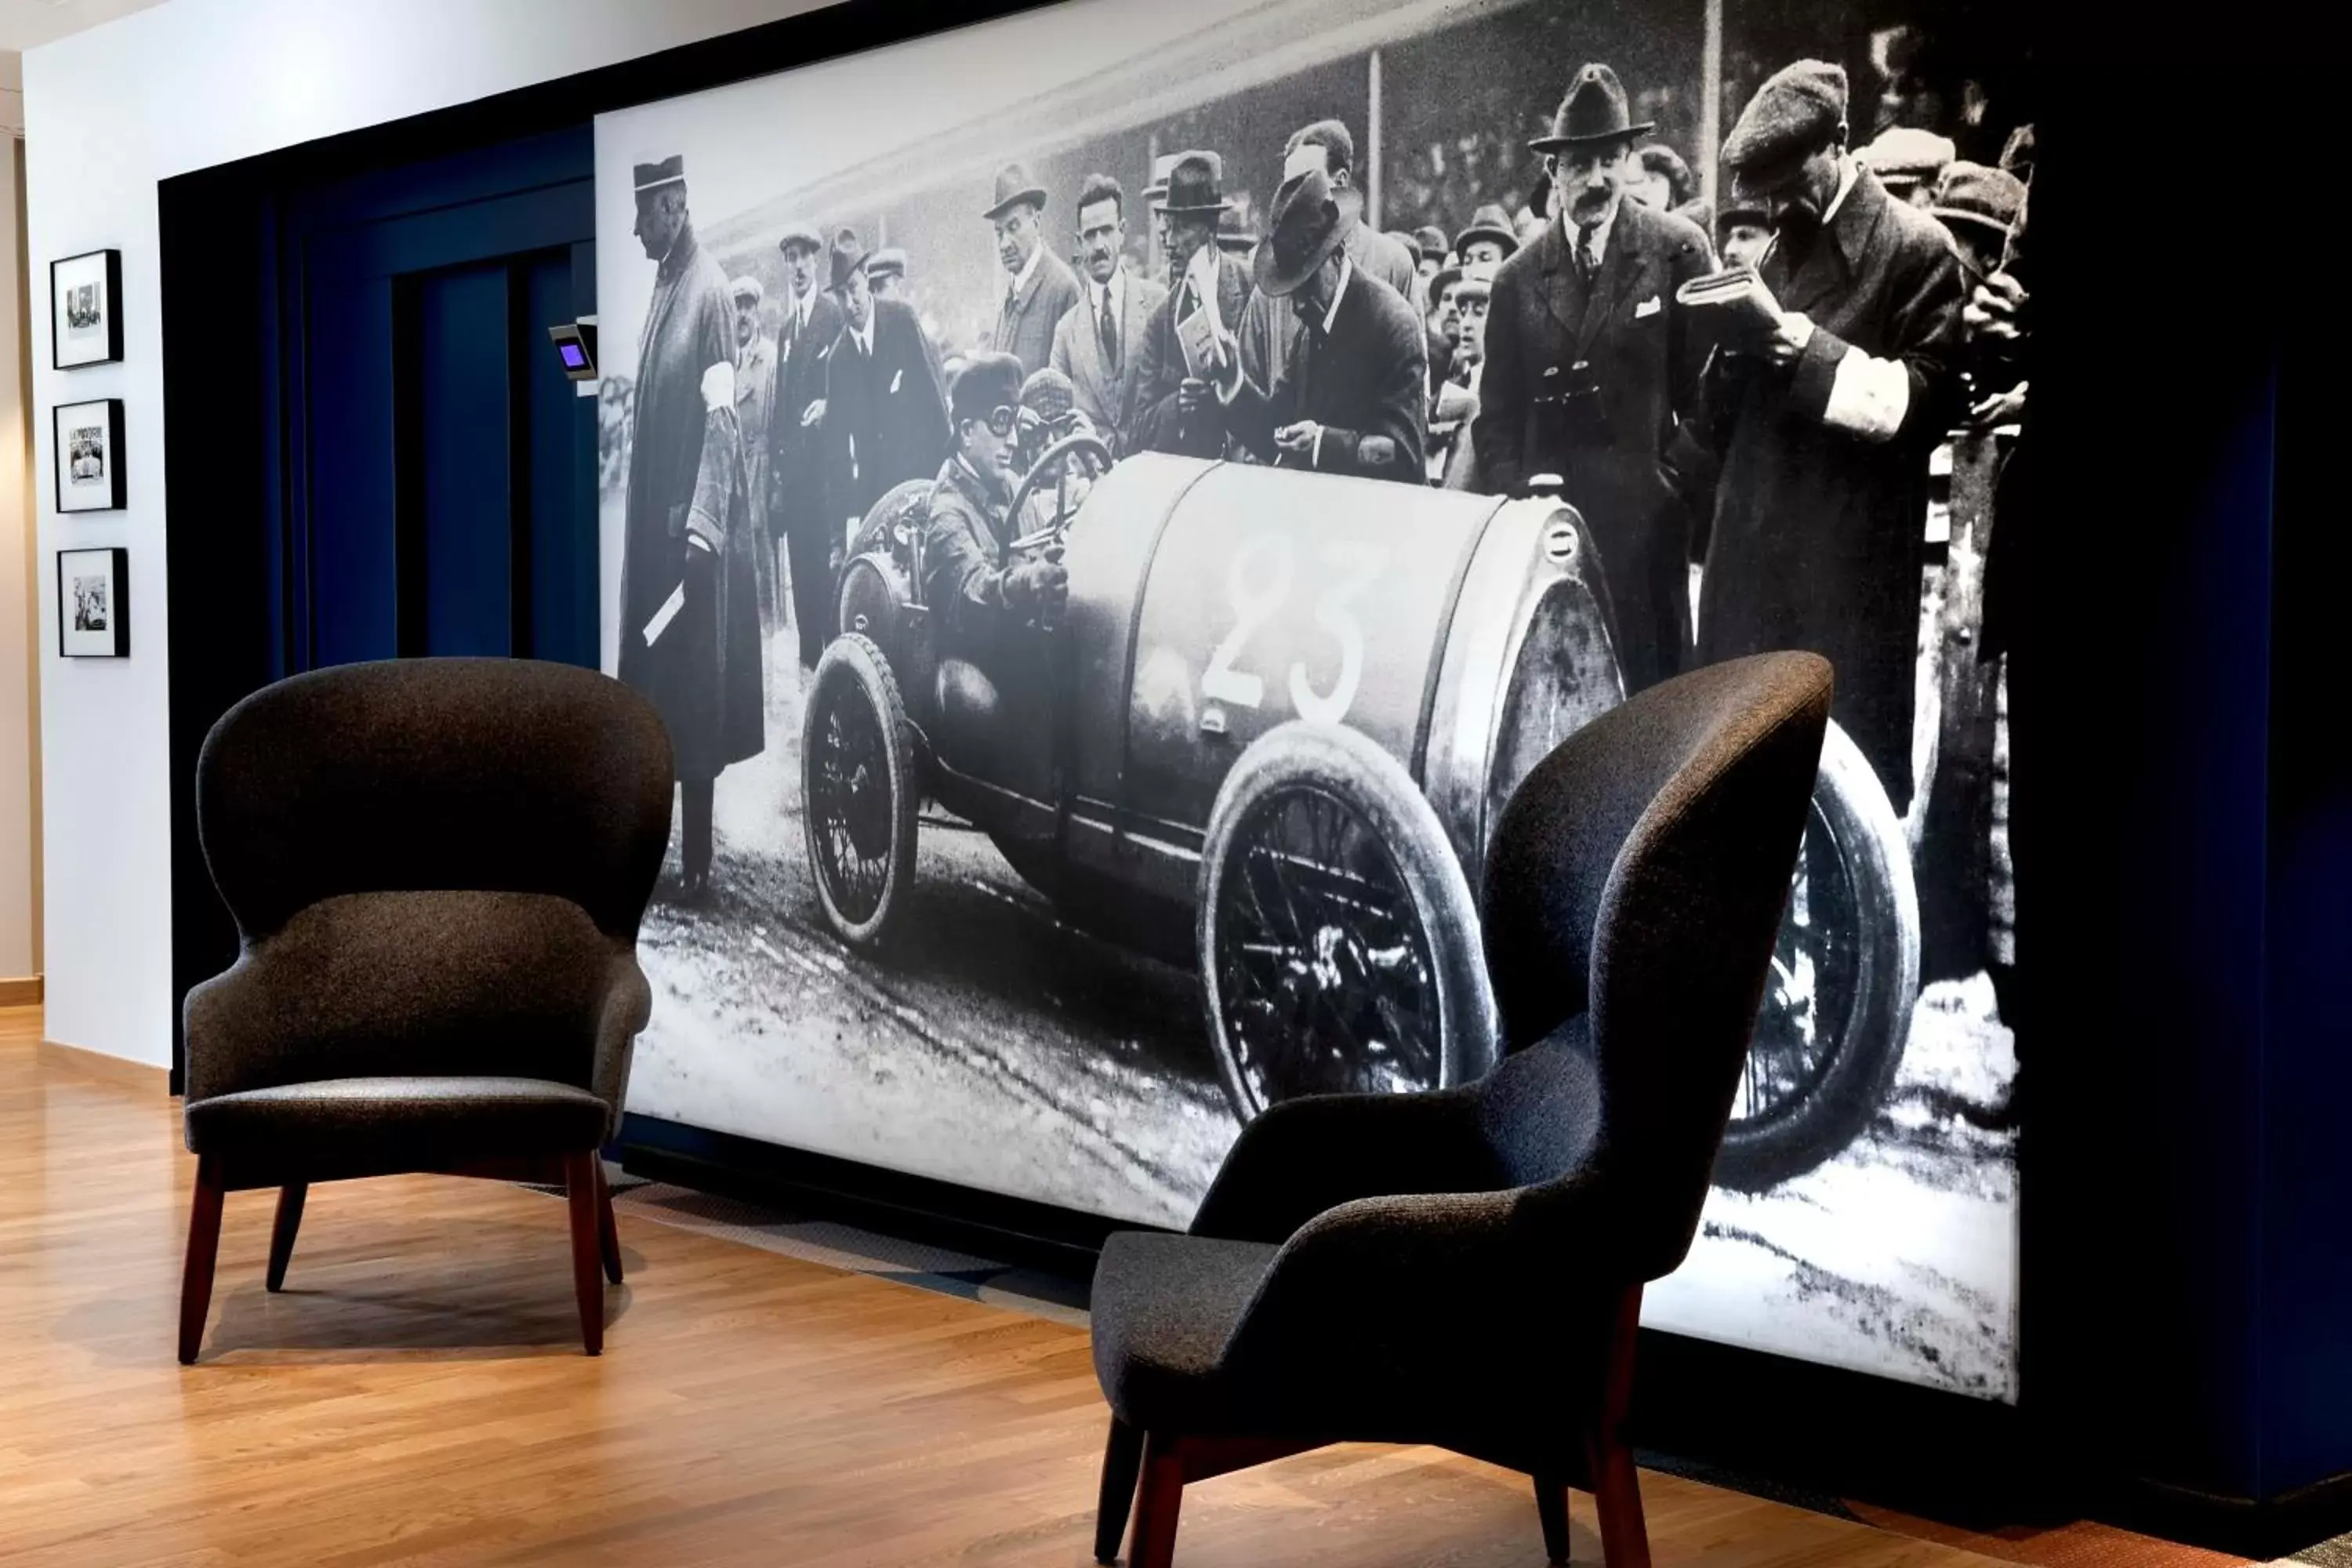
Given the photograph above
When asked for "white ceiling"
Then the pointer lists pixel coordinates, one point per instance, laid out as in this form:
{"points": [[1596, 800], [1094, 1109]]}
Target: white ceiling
{"points": [[27, 23]]}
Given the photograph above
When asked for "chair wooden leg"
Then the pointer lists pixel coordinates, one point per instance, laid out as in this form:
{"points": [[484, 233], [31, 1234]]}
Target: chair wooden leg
{"points": [[203, 1247], [281, 1234], [1616, 1485], [1122, 1461], [608, 1235], [579, 1189], [1551, 1509], [1157, 1503]]}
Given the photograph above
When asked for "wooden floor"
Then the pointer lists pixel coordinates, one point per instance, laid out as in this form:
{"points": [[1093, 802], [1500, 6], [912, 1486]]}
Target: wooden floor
{"points": [[418, 1394]]}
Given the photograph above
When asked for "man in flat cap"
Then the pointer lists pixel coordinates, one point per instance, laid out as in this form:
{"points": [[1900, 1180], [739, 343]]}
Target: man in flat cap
{"points": [[755, 394], [1269, 329], [1100, 345], [1908, 162], [1978, 206], [689, 602], [1040, 286], [1820, 512], [796, 476], [1350, 398], [1166, 409], [886, 418], [1590, 370]]}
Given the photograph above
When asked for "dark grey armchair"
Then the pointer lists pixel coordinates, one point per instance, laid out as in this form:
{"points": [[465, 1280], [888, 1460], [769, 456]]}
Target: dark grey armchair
{"points": [[437, 868], [1464, 1268]]}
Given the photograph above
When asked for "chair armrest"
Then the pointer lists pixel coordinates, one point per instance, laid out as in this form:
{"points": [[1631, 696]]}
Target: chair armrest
{"points": [[1302, 1157], [622, 1014]]}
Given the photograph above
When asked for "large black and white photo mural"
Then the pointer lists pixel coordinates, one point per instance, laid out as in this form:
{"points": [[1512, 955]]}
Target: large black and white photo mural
{"points": [[1109, 502]]}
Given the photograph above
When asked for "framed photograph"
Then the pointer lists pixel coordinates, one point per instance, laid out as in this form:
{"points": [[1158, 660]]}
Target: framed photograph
{"points": [[86, 306], [94, 604], [89, 454]]}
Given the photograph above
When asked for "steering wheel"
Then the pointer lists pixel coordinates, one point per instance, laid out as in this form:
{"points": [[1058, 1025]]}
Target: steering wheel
{"points": [[1053, 460]]}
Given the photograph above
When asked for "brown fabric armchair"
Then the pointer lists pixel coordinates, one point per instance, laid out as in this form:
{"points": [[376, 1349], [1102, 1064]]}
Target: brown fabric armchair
{"points": [[438, 869], [1361, 1264]]}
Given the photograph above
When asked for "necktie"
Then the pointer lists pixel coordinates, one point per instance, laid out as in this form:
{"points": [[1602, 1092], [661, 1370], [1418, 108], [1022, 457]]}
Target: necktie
{"points": [[1588, 255], [1108, 329]]}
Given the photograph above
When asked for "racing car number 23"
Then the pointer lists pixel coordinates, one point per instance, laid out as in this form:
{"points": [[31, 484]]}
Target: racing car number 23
{"points": [[1258, 586]]}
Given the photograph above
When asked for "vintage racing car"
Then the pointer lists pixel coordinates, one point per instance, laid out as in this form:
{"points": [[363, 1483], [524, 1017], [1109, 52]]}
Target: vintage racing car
{"points": [[1288, 708]]}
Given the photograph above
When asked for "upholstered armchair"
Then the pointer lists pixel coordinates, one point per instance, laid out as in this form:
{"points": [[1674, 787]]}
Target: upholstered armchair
{"points": [[437, 868], [1369, 1268]]}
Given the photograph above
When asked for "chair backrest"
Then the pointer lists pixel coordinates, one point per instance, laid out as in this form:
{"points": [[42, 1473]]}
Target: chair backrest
{"points": [[476, 775], [1638, 877]]}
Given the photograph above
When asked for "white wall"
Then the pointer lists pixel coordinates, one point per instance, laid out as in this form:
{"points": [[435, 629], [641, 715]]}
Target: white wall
{"points": [[108, 113]]}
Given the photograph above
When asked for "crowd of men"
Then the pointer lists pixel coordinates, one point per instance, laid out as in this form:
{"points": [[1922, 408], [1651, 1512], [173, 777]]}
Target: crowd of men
{"points": [[1550, 351]]}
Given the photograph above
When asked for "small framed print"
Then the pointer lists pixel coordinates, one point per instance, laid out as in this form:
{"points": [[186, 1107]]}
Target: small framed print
{"points": [[89, 455], [94, 604], [86, 308]]}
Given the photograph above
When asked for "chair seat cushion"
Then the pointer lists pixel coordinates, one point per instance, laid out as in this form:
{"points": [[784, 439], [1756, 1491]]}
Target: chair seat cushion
{"points": [[1164, 1308], [364, 1126]]}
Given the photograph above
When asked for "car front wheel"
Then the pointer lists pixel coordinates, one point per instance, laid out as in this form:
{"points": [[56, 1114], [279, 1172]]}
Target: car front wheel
{"points": [[857, 790]]}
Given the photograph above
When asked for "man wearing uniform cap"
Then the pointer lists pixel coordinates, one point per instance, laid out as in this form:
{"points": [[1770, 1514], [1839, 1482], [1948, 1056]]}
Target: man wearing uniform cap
{"points": [[1819, 516], [885, 417], [1590, 370], [1041, 286], [1908, 162], [755, 393], [796, 478], [1350, 398], [1167, 403], [690, 603], [1269, 329]]}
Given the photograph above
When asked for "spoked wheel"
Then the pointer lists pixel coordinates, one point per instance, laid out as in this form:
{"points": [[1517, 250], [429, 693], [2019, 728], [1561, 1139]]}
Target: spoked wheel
{"points": [[1845, 972], [1338, 943], [857, 789]]}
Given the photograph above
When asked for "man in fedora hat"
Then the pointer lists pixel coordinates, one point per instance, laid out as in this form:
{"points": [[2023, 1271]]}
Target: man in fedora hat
{"points": [[796, 476], [886, 418], [1489, 238], [1588, 370], [1041, 286], [1268, 330], [1166, 409], [690, 600], [1350, 399], [1099, 344], [1820, 514], [755, 394]]}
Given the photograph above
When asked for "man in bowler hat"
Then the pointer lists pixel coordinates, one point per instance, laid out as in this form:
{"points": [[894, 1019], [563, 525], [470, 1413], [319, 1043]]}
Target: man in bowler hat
{"points": [[1588, 370], [1821, 511], [1041, 286], [796, 505], [886, 418], [1351, 399], [1167, 408], [689, 606]]}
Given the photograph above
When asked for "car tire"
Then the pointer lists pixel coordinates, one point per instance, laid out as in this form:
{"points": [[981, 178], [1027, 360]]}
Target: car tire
{"points": [[1424, 949], [857, 790], [1874, 898]]}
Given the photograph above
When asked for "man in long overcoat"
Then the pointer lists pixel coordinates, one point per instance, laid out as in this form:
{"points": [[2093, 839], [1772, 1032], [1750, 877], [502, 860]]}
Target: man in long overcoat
{"points": [[1039, 285], [886, 414], [1162, 416], [1351, 400], [689, 598], [1820, 514], [796, 506], [1588, 370]]}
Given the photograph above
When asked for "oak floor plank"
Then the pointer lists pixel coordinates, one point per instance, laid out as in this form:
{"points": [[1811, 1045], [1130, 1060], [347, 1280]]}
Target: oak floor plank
{"points": [[416, 1395]]}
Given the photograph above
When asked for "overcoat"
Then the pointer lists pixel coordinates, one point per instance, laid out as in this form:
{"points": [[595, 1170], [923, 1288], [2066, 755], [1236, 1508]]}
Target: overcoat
{"points": [[886, 416], [1819, 529], [1077, 349], [796, 505], [1026, 320], [1150, 424], [686, 479], [1364, 382], [1542, 319]]}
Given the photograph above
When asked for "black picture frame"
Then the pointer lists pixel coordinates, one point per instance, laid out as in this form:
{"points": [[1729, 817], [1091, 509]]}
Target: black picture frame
{"points": [[113, 640], [112, 263], [117, 488]]}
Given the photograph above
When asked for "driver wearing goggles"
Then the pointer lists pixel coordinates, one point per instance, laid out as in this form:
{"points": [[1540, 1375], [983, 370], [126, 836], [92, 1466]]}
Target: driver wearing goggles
{"points": [[973, 583]]}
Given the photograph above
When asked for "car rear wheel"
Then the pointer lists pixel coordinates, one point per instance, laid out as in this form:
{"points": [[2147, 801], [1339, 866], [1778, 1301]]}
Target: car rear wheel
{"points": [[1338, 942], [857, 790], [1845, 972]]}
